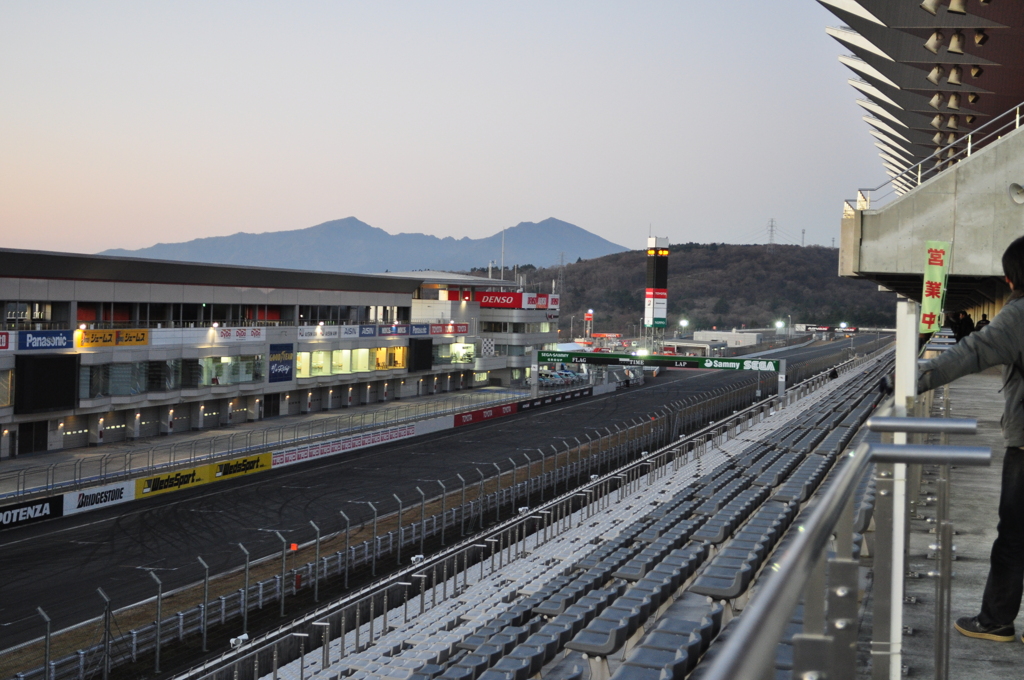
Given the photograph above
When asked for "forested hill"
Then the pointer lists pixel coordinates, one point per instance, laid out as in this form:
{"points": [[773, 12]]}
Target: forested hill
{"points": [[722, 285]]}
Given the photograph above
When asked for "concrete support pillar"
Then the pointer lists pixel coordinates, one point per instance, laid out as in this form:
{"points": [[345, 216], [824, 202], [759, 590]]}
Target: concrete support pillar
{"points": [[55, 435], [96, 422], [5, 440], [306, 401], [253, 408], [134, 424], [198, 415], [166, 420]]}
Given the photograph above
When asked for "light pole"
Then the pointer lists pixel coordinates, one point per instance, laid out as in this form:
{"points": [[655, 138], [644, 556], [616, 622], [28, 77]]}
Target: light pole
{"points": [[316, 564], [497, 495], [462, 510], [46, 648], [159, 616], [683, 323], [206, 597], [399, 560], [348, 526], [423, 517], [245, 612], [444, 507], [284, 567]]}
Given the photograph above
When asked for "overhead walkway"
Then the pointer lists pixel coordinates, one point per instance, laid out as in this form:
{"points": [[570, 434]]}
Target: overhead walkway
{"points": [[636, 582]]}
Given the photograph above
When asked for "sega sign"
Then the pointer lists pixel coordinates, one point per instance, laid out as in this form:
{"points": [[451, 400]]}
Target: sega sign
{"points": [[46, 340]]}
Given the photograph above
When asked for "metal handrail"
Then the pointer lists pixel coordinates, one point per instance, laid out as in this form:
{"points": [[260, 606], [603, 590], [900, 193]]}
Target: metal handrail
{"points": [[923, 425], [752, 645], [913, 175]]}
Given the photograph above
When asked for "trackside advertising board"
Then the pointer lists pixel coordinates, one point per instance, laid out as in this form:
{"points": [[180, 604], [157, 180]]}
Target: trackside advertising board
{"points": [[29, 512], [204, 474], [607, 358], [85, 500]]}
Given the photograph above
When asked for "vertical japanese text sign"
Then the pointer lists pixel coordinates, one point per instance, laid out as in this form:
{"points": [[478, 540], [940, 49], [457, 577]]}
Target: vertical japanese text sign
{"points": [[933, 296]]}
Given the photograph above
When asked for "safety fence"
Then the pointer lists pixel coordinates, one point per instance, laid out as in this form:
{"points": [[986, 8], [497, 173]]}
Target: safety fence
{"points": [[119, 465], [436, 580], [123, 637]]}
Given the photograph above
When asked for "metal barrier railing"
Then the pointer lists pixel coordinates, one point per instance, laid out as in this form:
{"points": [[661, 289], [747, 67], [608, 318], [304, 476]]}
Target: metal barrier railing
{"points": [[962, 147], [827, 646], [677, 416], [115, 466], [278, 647]]}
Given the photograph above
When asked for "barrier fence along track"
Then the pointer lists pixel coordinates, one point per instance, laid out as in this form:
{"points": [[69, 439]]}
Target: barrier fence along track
{"points": [[122, 465], [510, 489], [280, 647]]}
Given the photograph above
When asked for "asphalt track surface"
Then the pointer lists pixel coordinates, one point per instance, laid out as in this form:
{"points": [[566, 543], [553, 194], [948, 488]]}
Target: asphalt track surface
{"points": [[58, 564]]}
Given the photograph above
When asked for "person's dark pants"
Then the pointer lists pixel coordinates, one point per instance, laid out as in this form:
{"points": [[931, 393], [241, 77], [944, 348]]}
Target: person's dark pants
{"points": [[1001, 602]]}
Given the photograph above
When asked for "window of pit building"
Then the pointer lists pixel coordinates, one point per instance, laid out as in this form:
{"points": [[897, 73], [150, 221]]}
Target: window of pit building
{"points": [[320, 363], [6, 385], [32, 315], [361, 360], [231, 370], [463, 352], [341, 361], [397, 357], [428, 291]]}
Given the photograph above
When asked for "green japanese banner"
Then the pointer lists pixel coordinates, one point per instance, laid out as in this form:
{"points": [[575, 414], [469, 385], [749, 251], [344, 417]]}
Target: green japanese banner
{"points": [[933, 295]]}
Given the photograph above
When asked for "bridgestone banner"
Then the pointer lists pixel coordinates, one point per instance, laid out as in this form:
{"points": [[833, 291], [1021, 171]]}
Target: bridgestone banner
{"points": [[85, 500], [29, 512]]}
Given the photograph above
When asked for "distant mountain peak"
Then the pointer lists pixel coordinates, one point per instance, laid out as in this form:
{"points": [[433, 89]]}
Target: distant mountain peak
{"points": [[351, 245]]}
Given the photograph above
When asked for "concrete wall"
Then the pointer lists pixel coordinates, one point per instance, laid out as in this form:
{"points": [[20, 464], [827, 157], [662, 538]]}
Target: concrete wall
{"points": [[969, 205]]}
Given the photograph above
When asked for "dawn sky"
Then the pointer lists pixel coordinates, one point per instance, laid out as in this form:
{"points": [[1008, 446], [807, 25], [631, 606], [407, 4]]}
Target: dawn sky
{"points": [[128, 124]]}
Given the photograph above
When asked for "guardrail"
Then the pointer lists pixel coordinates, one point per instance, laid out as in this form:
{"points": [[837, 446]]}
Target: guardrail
{"points": [[117, 466], [828, 644], [955, 151], [617, 450], [278, 646]]}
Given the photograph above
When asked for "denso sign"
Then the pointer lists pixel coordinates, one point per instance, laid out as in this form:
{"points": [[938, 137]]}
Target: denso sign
{"points": [[503, 300]]}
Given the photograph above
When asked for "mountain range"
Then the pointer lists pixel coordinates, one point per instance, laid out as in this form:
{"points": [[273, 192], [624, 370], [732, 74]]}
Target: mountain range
{"points": [[350, 245]]}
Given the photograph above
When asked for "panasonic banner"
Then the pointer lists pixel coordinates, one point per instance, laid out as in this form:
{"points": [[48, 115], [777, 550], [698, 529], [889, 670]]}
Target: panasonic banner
{"points": [[46, 340]]}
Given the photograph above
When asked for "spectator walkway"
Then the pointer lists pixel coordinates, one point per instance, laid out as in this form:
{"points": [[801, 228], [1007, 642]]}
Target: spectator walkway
{"points": [[974, 506]]}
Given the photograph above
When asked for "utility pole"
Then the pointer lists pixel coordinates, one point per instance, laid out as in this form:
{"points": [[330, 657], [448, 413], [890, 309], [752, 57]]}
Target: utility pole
{"points": [[803, 232]]}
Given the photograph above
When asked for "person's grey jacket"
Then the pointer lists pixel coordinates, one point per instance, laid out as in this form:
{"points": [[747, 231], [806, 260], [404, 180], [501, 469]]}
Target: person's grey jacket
{"points": [[999, 343]]}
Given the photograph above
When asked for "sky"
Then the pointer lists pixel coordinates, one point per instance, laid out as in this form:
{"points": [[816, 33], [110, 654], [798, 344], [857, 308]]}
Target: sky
{"points": [[125, 124]]}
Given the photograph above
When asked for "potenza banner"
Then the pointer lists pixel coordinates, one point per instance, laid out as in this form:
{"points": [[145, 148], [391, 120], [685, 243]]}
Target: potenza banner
{"points": [[933, 295], [31, 511]]}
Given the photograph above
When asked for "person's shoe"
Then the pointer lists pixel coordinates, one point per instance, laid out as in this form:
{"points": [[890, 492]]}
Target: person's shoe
{"points": [[971, 627]]}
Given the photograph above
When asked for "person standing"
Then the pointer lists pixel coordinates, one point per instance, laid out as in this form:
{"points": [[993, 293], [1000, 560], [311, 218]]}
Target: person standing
{"points": [[981, 323], [999, 342]]}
